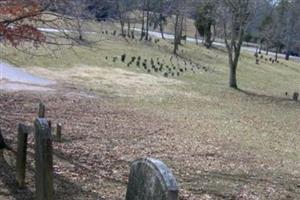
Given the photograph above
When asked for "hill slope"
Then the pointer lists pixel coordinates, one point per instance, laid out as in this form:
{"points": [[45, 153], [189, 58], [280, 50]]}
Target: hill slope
{"points": [[220, 143]]}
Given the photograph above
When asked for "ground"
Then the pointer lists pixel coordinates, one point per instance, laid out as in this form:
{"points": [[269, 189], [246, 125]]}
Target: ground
{"points": [[219, 143]]}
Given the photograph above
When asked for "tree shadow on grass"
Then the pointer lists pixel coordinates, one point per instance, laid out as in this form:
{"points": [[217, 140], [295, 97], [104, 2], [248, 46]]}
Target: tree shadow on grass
{"points": [[64, 188], [267, 98], [68, 159], [91, 174]]}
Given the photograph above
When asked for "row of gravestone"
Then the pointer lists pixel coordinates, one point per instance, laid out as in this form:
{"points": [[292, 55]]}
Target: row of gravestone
{"points": [[261, 57], [149, 179], [130, 35], [295, 96], [160, 66]]}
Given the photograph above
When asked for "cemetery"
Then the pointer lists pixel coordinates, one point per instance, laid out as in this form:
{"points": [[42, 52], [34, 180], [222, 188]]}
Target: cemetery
{"points": [[152, 100]]}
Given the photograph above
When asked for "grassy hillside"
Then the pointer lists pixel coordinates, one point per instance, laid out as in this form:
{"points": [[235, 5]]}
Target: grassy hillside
{"points": [[227, 141]]}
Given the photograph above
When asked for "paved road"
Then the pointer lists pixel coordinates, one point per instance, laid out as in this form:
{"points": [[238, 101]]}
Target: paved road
{"points": [[193, 40], [171, 37], [15, 79]]}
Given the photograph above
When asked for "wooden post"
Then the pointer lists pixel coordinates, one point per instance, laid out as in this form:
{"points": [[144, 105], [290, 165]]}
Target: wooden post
{"points": [[21, 154], [42, 110], [58, 131], [43, 160], [1, 145]]}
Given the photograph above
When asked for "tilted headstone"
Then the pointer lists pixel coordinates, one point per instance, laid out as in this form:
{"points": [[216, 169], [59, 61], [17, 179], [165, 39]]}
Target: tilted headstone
{"points": [[151, 179], [43, 160], [21, 154]]}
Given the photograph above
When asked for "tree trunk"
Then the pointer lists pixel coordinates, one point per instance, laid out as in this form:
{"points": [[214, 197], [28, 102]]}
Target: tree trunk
{"points": [[147, 20], [180, 29], [79, 29], [276, 55], [287, 55], [196, 37], [129, 28], [122, 27], [208, 41], [161, 27], [260, 47], [143, 25], [232, 76], [176, 35], [233, 62]]}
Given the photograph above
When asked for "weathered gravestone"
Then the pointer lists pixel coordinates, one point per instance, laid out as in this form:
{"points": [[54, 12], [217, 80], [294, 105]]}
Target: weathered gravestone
{"points": [[3, 144], [295, 96], [43, 160], [150, 179]]}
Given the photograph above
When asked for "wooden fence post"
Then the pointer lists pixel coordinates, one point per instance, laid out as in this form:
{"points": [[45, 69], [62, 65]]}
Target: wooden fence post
{"points": [[43, 160], [21, 154], [58, 131], [42, 110]]}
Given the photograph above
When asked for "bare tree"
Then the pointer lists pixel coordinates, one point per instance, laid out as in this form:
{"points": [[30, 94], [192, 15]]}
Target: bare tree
{"points": [[234, 16], [179, 11]]}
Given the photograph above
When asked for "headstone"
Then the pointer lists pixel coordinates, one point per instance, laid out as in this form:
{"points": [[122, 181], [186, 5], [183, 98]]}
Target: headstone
{"points": [[123, 57], [43, 160], [21, 154], [257, 61], [150, 179], [295, 96]]}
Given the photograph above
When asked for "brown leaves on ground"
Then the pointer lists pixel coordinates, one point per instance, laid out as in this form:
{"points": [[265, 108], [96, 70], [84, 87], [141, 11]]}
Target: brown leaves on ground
{"points": [[101, 139]]}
